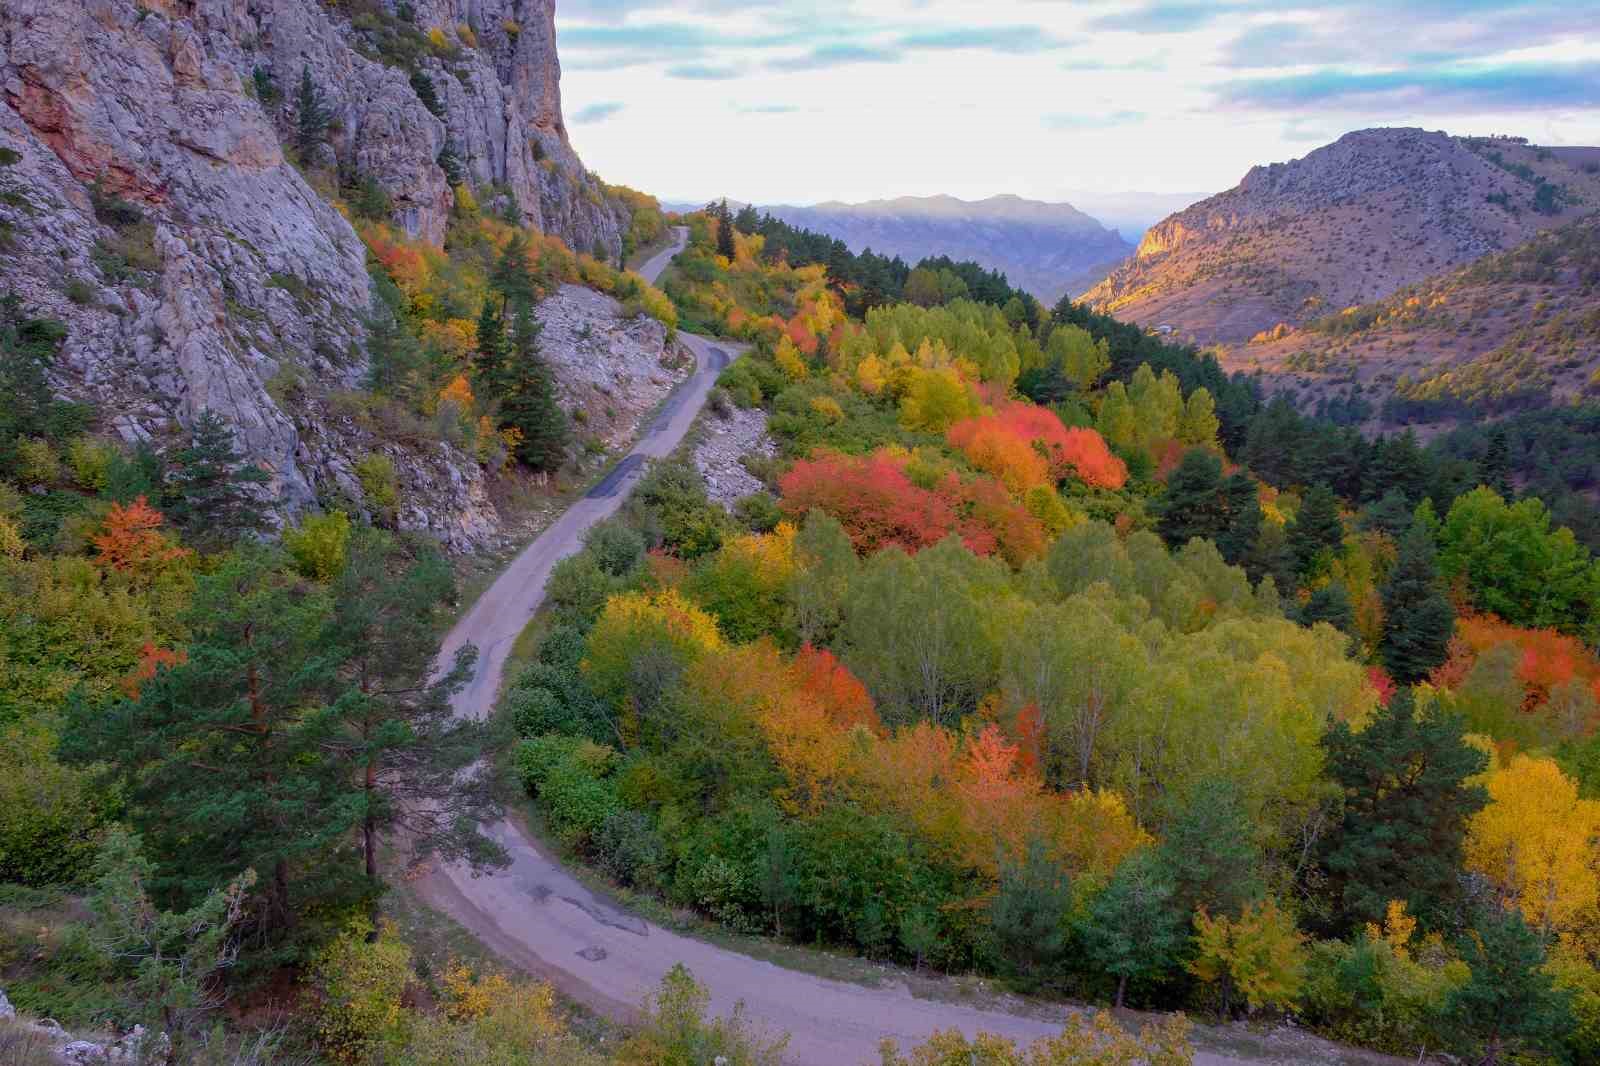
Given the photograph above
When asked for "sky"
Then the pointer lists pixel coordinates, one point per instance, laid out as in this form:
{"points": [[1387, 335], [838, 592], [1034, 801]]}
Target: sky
{"points": [[798, 101]]}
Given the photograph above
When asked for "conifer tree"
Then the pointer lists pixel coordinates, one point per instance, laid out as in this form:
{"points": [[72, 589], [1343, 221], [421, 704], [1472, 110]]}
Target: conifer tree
{"points": [[1405, 812], [210, 493], [1495, 469], [450, 163], [1029, 913], [1133, 930], [1330, 604], [1510, 1007], [1193, 505], [393, 724], [1418, 619], [510, 277], [312, 116], [725, 244], [529, 402], [221, 756], [490, 362], [1237, 541], [1210, 852], [1316, 529]]}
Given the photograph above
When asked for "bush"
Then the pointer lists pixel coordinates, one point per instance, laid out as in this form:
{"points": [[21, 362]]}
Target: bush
{"points": [[90, 461], [37, 462], [361, 981], [630, 850], [319, 547], [617, 548], [575, 797], [758, 512], [379, 481]]}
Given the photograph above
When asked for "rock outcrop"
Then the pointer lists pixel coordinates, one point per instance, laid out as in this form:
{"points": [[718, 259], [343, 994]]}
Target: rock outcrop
{"points": [[1351, 222], [727, 439], [147, 201]]}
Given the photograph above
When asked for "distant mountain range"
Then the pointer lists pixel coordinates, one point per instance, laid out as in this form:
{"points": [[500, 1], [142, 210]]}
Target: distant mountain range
{"points": [[1047, 248], [1404, 263]]}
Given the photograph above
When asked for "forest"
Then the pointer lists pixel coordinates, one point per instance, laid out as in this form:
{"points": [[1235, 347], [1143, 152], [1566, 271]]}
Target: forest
{"points": [[1049, 653], [1042, 659]]}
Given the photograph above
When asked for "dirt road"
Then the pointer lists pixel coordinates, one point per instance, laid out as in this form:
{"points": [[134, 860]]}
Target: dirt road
{"points": [[538, 916]]}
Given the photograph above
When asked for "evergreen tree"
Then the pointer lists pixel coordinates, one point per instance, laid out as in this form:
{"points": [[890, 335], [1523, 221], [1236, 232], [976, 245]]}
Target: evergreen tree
{"points": [[725, 243], [1316, 530], [1510, 1006], [1029, 913], [1133, 930], [1495, 468], [210, 490], [417, 765], [450, 163], [1406, 806], [422, 85], [747, 221], [1391, 514], [491, 364], [221, 757], [1237, 541], [1330, 604], [529, 403], [1210, 852], [312, 116], [510, 276], [1193, 505], [27, 348], [1418, 619], [395, 360]]}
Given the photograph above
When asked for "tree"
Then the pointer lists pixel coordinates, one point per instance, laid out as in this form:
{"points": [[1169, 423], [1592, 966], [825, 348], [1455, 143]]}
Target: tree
{"points": [[1316, 530], [211, 490], [1193, 505], [222, 756], [490, 360], [450, 163], [171, 962], [1406, 807], [747, 221], [1510, 1003], [1210, 852], [1237, 541], [1029, 913], [510, 277], [1133, 930], [416, 764], [313, 118], [528, 404], [726, 247], [130, 541], [1330, 604], [1494, 470], [1259, 955], [1417, 617]]}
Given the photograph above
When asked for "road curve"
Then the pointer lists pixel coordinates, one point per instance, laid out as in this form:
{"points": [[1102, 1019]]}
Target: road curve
{"points": [[537, 916]]}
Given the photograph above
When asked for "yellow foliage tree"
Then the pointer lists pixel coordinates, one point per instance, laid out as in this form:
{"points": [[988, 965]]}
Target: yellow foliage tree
{"points": [[935, 399], [361, 981], [1259, 956], [1536, 841]]}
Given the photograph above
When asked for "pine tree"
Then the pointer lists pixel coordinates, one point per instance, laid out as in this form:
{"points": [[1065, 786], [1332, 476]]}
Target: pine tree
{"points": [[1510, 1006], [312, 116], [221, 757], [1495, 468], [416, 764], [1193, 505], [1237, 541], [1418, 619], [1133, 930], [747, 220], [1029, 913], [1316, 529], [490, 363], [725, 243], [1406, 806], [422, 85], [1391, 514], [1330, 604], [529, 403], [510, 276], [450, 163], [210, 493], [1210, 852]]}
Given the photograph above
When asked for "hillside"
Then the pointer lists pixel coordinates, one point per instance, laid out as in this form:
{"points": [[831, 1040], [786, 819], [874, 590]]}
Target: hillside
{"points": [[1513, 329], [1046, 249], [1350, 223], [165, 197]]}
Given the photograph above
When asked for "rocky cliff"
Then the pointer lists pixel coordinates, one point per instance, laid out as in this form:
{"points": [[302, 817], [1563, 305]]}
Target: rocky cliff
{"points": [[147, 200], [1351, 222]]}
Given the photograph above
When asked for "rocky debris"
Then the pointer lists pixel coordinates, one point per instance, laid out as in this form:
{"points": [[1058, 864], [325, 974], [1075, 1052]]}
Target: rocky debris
{"points": [[242, 290], [135, 1047], [7, 1011], [726, 440], [611, 369]]}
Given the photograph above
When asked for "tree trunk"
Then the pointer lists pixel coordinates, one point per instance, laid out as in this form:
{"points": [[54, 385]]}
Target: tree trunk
{"points": [[369, 826], [1122, 990]]}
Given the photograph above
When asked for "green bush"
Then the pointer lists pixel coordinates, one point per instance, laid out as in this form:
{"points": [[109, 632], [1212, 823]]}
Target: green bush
{"points": [[629, 849], [758, 512], [576, 799], [538, 711], [617, 548], [380, 484], [320, 545]]}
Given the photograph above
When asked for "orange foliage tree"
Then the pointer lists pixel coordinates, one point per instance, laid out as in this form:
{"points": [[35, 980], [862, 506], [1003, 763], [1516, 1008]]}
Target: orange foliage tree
{"points": [[130, 540]]}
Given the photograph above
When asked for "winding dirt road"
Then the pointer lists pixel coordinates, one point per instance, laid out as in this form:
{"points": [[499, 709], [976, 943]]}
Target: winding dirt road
{"points": [[539, 917]]}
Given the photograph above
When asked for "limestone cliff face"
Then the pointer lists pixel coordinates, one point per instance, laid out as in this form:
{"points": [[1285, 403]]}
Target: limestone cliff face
{"points": [[242, 290]]}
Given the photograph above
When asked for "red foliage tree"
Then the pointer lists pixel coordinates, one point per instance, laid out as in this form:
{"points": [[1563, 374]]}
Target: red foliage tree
{"points": [[842, 696], [130, 540]]}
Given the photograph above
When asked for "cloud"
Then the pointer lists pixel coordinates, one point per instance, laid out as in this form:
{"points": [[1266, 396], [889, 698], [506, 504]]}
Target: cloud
{"points": [[826, 56], [703, 72], [596, 112], [1107, 120], [1509, 87], [1016, 40], [768, 109], [1176, 16]]}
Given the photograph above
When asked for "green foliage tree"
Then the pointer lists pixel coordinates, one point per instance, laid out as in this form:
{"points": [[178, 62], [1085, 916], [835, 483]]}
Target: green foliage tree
{"points": [[725, 227], [1238, 540], [1406, 805], [528, 400], [211, 492], [423, 86], [28, 346], [416, 763], [1330, 604], [1194, 504], [1417, 617], [1317, 531], [1133, 930], [1029, 914], [1210, 852], [312, 116], [1510, 1006], [222, 757]]}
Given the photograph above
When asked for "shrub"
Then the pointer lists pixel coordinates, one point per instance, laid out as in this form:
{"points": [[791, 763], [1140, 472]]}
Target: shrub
{"points": [[758, 512], [90, 461], [617, 548], [630, 850], [37, 462], [361, 981], [319, 547], [537, 711], [379, 481]]}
